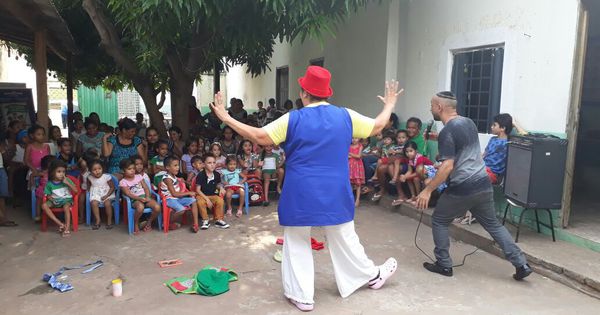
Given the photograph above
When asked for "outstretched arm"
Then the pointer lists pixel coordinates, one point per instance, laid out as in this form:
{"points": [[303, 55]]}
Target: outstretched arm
{"points": [[389, 102], [256, 135]]}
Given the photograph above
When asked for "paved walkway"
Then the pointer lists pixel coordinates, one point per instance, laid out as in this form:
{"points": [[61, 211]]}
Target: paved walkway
{"points": [[483, 286]]}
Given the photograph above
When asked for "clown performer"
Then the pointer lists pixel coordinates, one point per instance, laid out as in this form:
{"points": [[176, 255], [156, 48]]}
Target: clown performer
{"points": [[306, 135]]}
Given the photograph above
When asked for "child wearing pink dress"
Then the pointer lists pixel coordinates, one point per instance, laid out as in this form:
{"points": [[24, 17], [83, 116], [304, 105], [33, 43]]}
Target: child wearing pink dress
{"points": [[357, 169]]}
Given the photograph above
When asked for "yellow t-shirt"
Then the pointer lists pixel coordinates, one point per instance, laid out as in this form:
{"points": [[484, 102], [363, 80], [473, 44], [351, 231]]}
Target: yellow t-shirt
{"points": [[361, 125]]}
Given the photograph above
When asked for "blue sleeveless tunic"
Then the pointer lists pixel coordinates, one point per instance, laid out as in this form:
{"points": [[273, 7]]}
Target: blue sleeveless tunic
{"points": [[316, 190]]}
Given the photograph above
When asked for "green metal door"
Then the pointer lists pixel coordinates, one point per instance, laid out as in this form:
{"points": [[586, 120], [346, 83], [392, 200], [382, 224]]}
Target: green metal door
{"points": [[100, 101]]}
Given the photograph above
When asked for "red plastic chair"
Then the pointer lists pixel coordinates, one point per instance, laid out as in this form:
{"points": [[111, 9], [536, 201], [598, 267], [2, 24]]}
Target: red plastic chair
{"points": [[74, 208], [166, 211]]}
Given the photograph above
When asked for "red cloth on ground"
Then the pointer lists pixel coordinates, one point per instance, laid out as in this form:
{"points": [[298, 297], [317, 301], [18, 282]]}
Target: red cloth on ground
{"points": [[313, 243]]}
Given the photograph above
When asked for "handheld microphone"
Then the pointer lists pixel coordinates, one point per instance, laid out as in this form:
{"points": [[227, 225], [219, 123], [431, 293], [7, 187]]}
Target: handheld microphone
{"points": [[428, 130]]}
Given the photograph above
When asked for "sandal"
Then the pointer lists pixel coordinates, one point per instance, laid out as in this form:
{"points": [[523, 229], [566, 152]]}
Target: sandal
{"points": [[96, 226], [239, 213], [66, 233], [147, 228], [109, 226], [195, 228], [376, 197], [61, 228], [174, 226], [142, 224], [228, 213], [393, 182], [397, 202], [385, 272]]}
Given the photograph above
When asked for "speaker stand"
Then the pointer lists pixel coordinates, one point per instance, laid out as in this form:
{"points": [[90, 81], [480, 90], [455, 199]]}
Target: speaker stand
{"points": [[510, 204]]}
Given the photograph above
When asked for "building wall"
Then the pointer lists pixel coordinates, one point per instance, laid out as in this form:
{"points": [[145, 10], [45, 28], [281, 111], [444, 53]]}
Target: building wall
{"points": [[356, 57], [413, 41], [539, 41]]}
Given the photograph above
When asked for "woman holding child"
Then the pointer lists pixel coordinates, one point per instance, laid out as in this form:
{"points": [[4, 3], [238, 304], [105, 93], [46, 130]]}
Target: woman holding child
{"points": [[122, 146]]}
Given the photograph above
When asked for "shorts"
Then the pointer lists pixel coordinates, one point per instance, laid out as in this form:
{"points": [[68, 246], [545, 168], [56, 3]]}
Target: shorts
{"points": [[384, 160], [270, 172], [234, 188], [180, 204], [3, 183], [58, 203]]}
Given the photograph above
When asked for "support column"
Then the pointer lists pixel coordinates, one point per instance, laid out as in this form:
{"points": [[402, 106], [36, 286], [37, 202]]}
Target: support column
{"points": [[69, 64], [216, 78], [41, 77]]}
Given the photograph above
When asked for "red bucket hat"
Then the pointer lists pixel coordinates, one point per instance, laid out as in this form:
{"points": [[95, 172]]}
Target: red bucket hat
{"points": [[316, 82]]}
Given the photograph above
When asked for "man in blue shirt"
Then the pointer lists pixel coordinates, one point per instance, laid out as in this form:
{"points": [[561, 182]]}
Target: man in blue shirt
{"points": [[64, 112]]}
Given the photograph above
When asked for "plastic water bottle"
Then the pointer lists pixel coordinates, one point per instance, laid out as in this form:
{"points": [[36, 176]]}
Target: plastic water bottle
{"points": [[117, 287]]}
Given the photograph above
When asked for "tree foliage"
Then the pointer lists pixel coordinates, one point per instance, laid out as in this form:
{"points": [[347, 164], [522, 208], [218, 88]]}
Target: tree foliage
{"points": [[152, 45]]}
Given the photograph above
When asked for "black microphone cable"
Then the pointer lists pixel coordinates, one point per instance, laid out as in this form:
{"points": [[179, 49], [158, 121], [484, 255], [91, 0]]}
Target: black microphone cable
{"points": [[433, 260]]}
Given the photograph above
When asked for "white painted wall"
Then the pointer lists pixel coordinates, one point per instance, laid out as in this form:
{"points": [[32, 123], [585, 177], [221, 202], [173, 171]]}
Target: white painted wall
{"points": [[539, 38], [15, 70], [356, 57]]}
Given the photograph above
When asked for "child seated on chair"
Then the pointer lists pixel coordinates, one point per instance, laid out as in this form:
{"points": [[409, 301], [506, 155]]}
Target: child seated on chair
{"points": [[178, 197], [102, 190], [385, 151], [496, 150], [140, 168], [58, 192], [210, 192], [39, 190], [65, 154], [248, 160], [197, 167], [134, 186], [233, 182], [157, 163], [272, 167]]}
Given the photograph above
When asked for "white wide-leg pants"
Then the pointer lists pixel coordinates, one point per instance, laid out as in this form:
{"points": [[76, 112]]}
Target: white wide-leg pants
{"points": [[352, 268]]}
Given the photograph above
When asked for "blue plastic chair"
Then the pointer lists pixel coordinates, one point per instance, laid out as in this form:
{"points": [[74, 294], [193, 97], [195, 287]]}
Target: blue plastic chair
{"points": [[116, 203], [33, 197], [131, 210], [246, 199]]}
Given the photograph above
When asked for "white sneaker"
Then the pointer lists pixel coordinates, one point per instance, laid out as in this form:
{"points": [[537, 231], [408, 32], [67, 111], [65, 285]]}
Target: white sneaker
{"points": [[302, 306], [204, 225], [385, 272]]}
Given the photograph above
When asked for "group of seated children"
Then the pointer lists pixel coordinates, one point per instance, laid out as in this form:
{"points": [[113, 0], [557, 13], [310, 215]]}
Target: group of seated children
{"points": [[190, 176], [401, 159]]}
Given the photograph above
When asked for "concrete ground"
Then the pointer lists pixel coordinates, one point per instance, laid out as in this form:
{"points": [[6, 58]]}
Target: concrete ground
{"points": [[483, 286]]}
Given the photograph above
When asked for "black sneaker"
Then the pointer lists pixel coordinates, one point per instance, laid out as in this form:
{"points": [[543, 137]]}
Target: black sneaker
{"points": [[522, 272], [204, 225], [222, 224], [444, 271]]}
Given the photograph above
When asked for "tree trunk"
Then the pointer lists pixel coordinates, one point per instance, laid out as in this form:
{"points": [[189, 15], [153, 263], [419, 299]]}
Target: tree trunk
{"points": [[181, 94], [156, 118]]}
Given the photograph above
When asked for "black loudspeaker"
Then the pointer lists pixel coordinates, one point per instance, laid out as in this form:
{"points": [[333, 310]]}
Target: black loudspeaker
{"points": [[535, 171]]}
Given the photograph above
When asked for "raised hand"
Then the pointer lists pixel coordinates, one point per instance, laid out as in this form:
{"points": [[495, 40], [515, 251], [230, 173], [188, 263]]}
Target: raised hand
{"points": [[218, 107], [391, 93]]}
